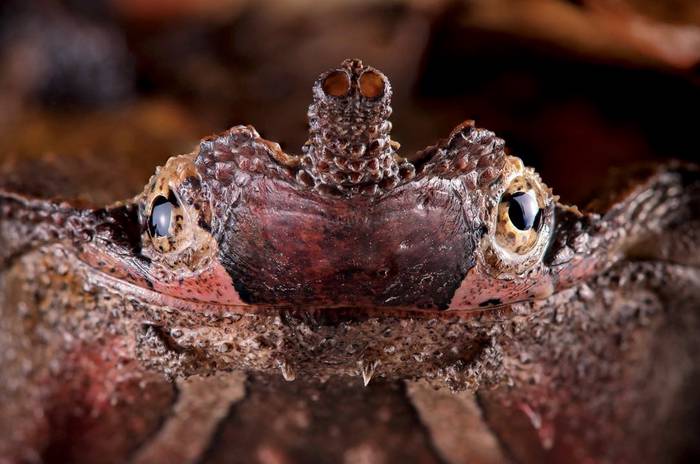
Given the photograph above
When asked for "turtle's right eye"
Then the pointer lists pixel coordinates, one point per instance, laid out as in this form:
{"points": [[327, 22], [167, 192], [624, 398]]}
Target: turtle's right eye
{"points": [[520, 214], [523, 211], [161, 216]]}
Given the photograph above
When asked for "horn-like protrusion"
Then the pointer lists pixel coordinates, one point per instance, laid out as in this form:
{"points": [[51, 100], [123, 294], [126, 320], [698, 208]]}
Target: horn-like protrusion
{"points": [[349, 148]]}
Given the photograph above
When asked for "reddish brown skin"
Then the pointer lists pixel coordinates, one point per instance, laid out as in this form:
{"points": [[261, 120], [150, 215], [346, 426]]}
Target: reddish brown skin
{"points": [[343, 266], [370, 255]]}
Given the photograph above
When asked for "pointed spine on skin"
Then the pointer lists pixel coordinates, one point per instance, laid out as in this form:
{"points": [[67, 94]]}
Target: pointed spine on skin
{"points": [[287, 371], [367, 370]]}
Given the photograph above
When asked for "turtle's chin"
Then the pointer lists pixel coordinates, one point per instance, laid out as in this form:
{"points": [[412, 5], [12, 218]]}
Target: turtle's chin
{"points": [[300, 346]]}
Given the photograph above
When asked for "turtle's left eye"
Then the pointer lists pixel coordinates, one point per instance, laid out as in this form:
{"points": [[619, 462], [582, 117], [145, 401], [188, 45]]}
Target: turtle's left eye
{"points": [[161, 216], [174, 219]]}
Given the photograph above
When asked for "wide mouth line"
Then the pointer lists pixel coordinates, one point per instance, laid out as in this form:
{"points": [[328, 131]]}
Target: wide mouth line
{"points": [[124, 288], [503, 311]]}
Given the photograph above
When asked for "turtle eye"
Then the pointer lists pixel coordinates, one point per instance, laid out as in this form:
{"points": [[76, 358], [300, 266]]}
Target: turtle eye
{"points": [[159, 222], [523, 211], [519, 220], [174, 219]]}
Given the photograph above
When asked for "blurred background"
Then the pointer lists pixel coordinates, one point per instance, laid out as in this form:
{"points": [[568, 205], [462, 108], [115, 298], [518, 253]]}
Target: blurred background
{"points": [[574, 87]]}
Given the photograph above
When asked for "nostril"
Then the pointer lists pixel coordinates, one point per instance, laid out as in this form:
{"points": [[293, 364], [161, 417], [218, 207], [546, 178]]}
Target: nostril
{"points": [[336, 84], [371, 84]]}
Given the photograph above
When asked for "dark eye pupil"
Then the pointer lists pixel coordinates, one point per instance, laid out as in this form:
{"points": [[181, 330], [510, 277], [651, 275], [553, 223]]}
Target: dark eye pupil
{"points": [[523, 211], [161, 214]]}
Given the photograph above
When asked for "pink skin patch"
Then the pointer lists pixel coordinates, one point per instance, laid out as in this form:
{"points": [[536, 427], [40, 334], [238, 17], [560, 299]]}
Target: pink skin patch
{"points": [[478, 289], [211, 285]]}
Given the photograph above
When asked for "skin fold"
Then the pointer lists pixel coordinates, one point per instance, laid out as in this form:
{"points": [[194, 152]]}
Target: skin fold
{"points": [[346, 304]]}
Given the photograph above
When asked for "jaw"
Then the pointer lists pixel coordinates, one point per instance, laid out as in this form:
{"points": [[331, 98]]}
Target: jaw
{"points": [[211, 291]]}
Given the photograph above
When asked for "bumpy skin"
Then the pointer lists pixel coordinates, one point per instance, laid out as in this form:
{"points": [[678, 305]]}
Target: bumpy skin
{"points": [[287, 282]]}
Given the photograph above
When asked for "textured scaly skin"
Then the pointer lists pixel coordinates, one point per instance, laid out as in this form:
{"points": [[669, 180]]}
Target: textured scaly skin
{"points": [[102, 355]]}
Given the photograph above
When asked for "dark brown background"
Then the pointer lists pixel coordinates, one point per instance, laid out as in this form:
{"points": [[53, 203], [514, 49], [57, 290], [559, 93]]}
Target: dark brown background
{"points": [[574, 87]]}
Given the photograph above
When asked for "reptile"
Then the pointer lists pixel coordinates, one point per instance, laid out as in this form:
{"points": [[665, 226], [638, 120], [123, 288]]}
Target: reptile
{"points": [[347, 304]]}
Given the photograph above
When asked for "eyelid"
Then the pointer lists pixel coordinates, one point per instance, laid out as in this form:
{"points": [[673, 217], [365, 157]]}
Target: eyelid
{"points": [[172, 198]]}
